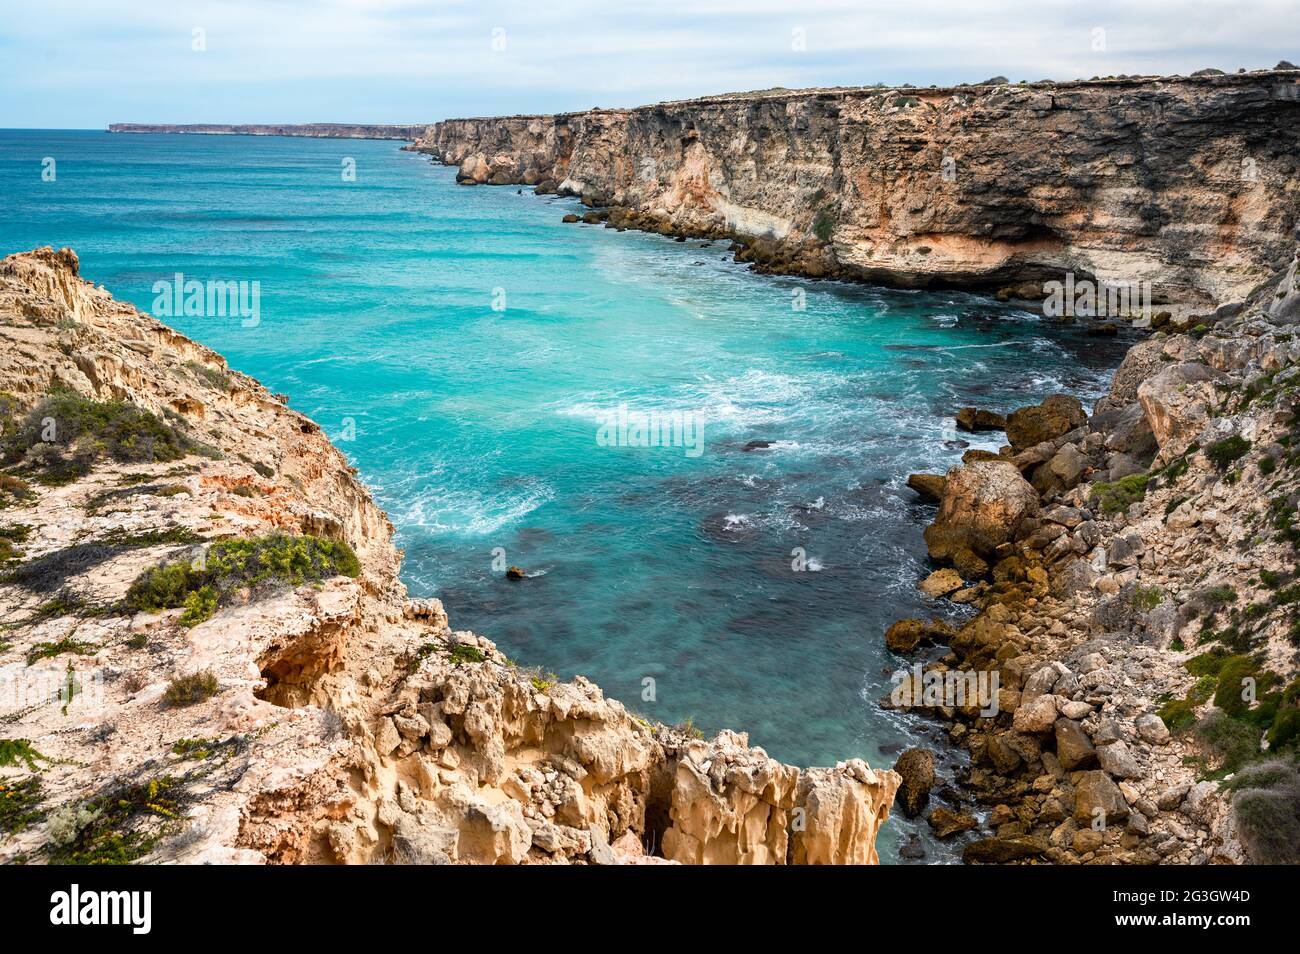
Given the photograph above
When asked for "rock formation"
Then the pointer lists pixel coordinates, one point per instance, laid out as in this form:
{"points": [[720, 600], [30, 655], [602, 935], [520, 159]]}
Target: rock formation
{"points": [[1135, 576], [208, 656], [1190, 183]]}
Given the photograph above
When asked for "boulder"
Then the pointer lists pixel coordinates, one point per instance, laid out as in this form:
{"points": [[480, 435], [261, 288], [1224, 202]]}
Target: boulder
{"points": [[1062, 472], [1073, 747], [999, 851], [1118, 760], [916, 768], [929, 486], [940, 583], [570, 217], [1151, 728], [1178, 403], [905, 635], [976, 420], [1094, 793], [1037, 716], [1055, 416], [983, 505], [945, 822]]}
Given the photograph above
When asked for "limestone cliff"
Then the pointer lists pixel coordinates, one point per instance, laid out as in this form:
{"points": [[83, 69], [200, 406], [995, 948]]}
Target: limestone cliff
{"points": [[207, 654], [1190, 183]]}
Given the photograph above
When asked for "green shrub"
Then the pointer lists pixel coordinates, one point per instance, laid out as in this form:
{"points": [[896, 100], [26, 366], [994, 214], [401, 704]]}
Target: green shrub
{"points": [[462, 653], [1221, 595], [59, 440], [1266, 808], [117, 828], [20, 801], [13, 751], [824, 225], [14, 490], [66, 645], [1230, 449], [216, 379], [199, 605], [191, 689], [1148, 597], [1232, 680], [1232, 742], [258, 564], [1117, 496]]}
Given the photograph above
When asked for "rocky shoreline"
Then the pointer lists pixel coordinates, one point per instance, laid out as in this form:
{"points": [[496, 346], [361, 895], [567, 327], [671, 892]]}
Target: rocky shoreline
{"points": [[207, 656], [1134, 574], [1184, 182]]}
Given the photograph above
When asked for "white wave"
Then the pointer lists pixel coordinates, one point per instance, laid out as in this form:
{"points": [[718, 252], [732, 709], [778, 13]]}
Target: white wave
{"points": [[471, 513]]}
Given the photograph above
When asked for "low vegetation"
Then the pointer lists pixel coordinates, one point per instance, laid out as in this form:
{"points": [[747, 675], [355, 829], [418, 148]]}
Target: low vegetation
{"points": [[192, 689], [254, 564], [1116, 496], [60, 439]]}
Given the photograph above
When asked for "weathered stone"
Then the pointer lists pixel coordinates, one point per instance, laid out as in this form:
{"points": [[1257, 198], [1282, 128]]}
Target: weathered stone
{"points": [[983, 504], [916, 769], [1055, 416], [1096, 796], [940, 583], [945, 822], [1151, 728], [929, 486], [1073, 747], [976, 419]]}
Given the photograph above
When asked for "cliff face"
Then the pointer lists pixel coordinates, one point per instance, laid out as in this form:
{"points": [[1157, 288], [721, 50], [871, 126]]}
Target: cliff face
{"points": [[193, 667], [309, 130], [1188, 183]]}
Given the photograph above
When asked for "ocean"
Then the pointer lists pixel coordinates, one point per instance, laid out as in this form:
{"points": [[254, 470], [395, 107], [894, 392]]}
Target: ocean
{"points": [[583, 404]]}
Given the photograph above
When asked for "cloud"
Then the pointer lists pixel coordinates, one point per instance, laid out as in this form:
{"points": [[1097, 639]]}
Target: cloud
{"points": [[87, 63]]}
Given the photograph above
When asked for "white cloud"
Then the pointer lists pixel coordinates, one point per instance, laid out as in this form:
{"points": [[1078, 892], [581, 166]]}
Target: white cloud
{"points": [[86, 63]]}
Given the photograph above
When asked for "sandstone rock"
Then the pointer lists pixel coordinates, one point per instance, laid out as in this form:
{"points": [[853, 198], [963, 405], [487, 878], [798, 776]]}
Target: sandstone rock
{"points": [[929, 486], [915, 768], [1038, 715], [940, 583], [983, 505], [976, 420], [1055, 416], [1073, 747], [844, 808], [1118, 760], [1177, 404], [1096, 796], [906, 635], [999, 850], [1151, 728], [945, 822]]}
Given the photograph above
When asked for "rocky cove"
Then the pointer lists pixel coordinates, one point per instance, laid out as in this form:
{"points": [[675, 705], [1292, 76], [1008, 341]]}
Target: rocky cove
{"points": [[208, 655], [1132, 566], [265, 690]]}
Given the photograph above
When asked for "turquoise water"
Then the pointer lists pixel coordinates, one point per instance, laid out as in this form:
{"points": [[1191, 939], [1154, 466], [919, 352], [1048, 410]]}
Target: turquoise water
{"points": [[477, 428]]}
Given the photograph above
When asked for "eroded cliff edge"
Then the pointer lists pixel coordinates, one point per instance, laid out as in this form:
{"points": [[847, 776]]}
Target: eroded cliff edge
{"points": [[207, 655], [1190, 183]]}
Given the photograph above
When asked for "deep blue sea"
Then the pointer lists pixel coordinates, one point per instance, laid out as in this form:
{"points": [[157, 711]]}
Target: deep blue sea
{"points": [[477, 426]]}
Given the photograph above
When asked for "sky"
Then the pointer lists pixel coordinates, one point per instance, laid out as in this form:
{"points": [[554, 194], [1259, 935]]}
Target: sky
{"points": [[86, 63]]}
